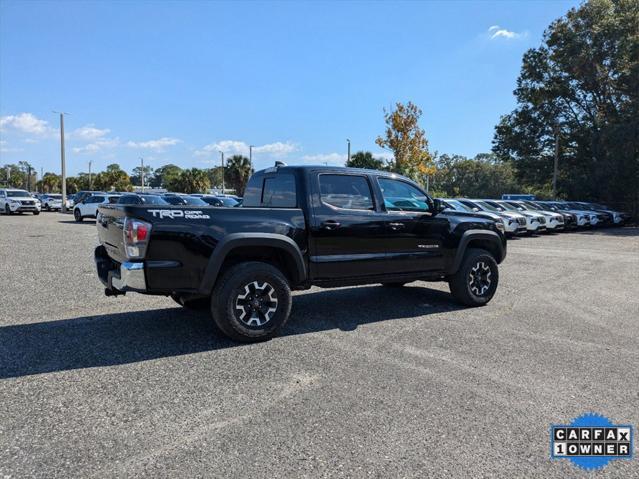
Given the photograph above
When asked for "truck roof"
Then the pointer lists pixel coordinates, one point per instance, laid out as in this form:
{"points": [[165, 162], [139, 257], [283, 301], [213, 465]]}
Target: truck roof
{"points": [[290, 168]]}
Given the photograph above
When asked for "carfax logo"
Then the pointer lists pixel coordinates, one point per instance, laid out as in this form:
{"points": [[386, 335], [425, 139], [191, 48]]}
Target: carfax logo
{"points": [[591, 441]]}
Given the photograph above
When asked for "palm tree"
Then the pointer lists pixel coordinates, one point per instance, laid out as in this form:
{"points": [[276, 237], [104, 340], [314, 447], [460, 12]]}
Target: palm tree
{"points": [[238, 172], [193, 181]]}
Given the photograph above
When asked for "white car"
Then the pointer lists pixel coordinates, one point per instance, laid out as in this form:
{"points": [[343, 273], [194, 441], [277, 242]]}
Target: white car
{"points": [[535, 222], [514, 222], [88, 208], [18, 201], [51, 202], [554, 221]]}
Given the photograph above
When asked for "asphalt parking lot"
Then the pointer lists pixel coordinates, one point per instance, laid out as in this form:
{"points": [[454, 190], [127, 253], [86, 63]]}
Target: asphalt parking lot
{"points": [[363, 382]]}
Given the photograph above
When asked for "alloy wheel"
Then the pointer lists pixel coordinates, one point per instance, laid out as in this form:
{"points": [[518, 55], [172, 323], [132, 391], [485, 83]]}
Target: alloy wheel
{"points": [[256, 304], [479, 278]]}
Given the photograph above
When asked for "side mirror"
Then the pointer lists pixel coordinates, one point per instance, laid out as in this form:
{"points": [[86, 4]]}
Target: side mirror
{"points": [[438, 206]]}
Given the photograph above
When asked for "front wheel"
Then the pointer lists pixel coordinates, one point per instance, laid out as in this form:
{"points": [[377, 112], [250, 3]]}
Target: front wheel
{"points": [[77, 215], [475, 282], [251, 301], [7, 210], [35, 213]]}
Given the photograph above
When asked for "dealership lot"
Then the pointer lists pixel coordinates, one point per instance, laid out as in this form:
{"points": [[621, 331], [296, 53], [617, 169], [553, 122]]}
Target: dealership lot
{"points": [[364, 381]]}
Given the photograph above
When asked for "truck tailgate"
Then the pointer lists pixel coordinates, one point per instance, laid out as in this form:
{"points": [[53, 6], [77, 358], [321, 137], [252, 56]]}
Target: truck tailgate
{"points": [[110, 225]]}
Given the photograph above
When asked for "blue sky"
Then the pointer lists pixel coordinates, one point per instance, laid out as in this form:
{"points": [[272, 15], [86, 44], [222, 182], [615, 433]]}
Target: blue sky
{"points": [[178, 81]]}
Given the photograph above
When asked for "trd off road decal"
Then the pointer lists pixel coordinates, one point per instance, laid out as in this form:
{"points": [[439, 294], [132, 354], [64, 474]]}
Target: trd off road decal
{"points": [[173, 214], [591, 441]]}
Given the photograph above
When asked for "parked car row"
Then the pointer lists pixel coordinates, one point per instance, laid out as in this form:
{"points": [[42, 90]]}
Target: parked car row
{"points": [[89, 202], [528, 216], [514, 217]]}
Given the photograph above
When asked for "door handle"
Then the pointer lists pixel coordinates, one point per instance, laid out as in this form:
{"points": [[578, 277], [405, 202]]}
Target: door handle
{"points": [[330, 225], [397, 226]]}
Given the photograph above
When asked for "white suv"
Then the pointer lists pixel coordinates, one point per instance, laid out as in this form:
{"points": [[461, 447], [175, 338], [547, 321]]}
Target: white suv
{"points": [[18, 201], [88, 208]]}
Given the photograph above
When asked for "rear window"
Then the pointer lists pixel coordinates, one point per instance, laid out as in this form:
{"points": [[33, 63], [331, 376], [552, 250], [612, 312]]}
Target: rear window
{"points": [[279, 192], [346, 191]]}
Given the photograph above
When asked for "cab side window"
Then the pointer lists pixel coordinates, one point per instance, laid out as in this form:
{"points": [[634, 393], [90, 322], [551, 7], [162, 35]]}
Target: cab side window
{"points": [[279, 192], [350, 192], [401, 196]]}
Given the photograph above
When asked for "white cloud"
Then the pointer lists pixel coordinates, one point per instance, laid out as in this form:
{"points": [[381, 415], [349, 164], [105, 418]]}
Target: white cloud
{"points": [[26, 123], [276, 149], [89, 132], [495, 32], [158, 145], [5, 148], [97, 145], [234, 147]]}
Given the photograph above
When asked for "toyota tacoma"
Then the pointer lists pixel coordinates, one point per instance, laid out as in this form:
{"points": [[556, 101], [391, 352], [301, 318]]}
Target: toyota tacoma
{"points": [[299, 226]]}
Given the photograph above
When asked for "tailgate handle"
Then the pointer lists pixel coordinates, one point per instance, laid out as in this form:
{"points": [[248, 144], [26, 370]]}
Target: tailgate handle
{"points": [[397, 226]]}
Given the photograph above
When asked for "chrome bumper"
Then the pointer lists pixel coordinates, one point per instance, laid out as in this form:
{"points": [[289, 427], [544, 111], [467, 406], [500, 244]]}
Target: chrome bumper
{"points": [[117, 277], [131, 277]]}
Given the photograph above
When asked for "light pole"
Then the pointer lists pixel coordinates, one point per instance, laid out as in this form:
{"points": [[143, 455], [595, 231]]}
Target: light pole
{"points": [[556, 165], [90, 180], [142, 173], [63, 164], [349, 149], [251, 157], [222, 155]]}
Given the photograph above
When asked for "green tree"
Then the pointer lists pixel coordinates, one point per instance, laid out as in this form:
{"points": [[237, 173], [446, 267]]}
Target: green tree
{"points": [[215, 176], [580, 88], [191, 180], [238, 171], [165, 175], [136, 178], [407, 140], [480, 177], [52, 183], [365, 159], [16, 177], [114, 178]]}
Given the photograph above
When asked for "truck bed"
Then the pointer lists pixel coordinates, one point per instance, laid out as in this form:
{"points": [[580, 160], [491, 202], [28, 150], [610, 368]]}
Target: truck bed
{"points": [[183, 238]]}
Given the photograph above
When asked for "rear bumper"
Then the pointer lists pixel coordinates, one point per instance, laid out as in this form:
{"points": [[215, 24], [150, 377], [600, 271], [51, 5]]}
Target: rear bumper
{"points": [[119, 277]]}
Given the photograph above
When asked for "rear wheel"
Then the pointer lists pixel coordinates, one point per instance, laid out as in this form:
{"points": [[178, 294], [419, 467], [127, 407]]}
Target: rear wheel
{"points": [[475, 282], [77, 215], [251, 301]]}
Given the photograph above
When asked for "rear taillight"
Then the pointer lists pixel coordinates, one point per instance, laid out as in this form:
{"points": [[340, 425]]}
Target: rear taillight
{"points": [[136, 237]]}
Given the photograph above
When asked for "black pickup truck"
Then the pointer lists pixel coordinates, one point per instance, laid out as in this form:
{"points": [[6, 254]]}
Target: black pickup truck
{"points": [[299, 226]]}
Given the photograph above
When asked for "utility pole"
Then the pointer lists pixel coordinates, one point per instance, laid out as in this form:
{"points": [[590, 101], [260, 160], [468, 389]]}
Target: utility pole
{"points": [[222, 154], [556, 166], [90, 180], [349, 149], [63, 164], [42, 179], [251, 157], [142, 173]]}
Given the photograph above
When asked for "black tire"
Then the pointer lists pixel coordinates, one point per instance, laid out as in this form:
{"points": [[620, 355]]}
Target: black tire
{"points": [[47, 207], [7, 210], [476, 280], [242, 300], [35, 213], [393, 285], [77, 215], [197, 304]]}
